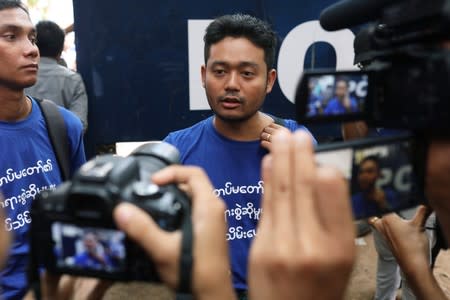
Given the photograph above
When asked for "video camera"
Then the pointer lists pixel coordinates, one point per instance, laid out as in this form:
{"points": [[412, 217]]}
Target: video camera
{"points": [[402, 88], [407, 67], [73, 230]]}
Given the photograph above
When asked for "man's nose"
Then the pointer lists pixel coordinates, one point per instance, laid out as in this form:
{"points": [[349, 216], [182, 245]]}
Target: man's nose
{"points": [[30, 49], [232, 82]]}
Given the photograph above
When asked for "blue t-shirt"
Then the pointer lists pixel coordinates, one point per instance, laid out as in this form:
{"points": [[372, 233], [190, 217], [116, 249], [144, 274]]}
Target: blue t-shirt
{"points": [[363, 207], [234, 169], [85, 260], [27, 166], [335, 107]]}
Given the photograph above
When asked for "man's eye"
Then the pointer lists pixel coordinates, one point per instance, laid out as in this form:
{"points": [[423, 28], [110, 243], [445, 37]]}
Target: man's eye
{"points": [[33, 40], [9, 36], [248, 73], [219, 72]]}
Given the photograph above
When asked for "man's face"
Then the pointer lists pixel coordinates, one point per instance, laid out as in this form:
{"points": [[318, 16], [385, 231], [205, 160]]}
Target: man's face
{"points": [[367, 175], [90, 243], [19, 55], [341, 89], [236, 79]]}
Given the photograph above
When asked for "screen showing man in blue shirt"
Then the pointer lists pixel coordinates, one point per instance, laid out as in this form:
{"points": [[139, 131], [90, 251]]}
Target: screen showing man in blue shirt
{"points": [[342, 102]]}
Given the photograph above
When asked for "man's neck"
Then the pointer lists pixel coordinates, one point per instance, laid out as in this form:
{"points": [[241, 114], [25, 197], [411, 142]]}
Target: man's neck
{"points": [[248, 130], [14, 105]]}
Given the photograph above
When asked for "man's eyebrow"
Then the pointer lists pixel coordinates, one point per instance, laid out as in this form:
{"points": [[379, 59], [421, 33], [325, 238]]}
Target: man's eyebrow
{"points": [[248, 64], [16, 28], [241, 64], [219, 63]]}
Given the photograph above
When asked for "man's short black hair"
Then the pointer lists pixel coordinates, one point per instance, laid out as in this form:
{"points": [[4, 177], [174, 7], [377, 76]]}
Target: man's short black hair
{"points": [[8, 4], [373, 158], [255, 30], [50, 39]]}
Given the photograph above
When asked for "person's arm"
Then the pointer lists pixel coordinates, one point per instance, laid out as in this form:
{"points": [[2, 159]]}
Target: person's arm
{"points": [[78, 100], [290, 257], [409, 244], [210, 274], [437, 182], [354, 130]]}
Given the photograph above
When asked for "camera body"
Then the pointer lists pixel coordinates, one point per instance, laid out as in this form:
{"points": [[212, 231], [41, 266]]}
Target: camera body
{"points": [[73, 230]]}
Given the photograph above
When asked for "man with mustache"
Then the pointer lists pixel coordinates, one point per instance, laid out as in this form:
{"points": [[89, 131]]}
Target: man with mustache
{"points": [[237, 75]]}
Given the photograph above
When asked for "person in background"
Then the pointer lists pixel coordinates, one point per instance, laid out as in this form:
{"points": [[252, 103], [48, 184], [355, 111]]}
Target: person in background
{"points": [[55, 82]]}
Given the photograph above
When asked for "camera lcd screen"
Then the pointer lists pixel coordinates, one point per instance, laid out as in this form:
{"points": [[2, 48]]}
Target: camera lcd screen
{"points": [[88, 248], [381, 176], [333, 96]]}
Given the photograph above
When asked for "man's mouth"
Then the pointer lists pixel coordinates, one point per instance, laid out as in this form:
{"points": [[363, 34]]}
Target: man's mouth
{"points": [[31, 67], [230, 102]]}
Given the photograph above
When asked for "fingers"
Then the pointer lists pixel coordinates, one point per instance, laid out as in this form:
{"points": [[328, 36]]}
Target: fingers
{"points": [[194, 178], [140, 227], [50, 283], [304, 178], [266, 201], [421, 216], [281, 184], [334, 202], [378, 224], [268, 133]]}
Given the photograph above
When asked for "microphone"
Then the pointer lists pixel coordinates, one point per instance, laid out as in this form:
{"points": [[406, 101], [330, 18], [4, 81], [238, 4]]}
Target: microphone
{"points": [[348, 13]]}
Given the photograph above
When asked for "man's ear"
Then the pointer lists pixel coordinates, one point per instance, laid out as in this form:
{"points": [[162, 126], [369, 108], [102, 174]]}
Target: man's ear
{"points": [[203, 71], [271, 77]]}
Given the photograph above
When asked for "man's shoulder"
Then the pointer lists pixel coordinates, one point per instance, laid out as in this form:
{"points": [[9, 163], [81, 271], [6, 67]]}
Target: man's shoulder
{"points": [[189, 132], [71, 120], [293, 125]]}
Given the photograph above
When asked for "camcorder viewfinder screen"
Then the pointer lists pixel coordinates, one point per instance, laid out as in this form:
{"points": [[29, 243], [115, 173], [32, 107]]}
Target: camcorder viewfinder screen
{"points": [[381, 177], [88, 248], [336, 97]]}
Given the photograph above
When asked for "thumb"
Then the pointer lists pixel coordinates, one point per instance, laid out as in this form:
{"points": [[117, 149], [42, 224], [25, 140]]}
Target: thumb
{"points": [[421, 216], [140, 227]]}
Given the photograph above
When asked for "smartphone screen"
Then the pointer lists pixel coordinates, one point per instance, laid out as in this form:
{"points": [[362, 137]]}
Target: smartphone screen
{"points": [[332, 96], [380, 173], [88, 248]]}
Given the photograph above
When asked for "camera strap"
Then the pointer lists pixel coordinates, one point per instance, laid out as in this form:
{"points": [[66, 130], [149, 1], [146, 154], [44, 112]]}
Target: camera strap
{"points": [[186, 258]]}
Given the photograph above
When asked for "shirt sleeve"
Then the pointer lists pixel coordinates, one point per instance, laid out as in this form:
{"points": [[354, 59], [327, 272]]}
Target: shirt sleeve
{"points": [[75, 135], [78, 99], [294, 126]]}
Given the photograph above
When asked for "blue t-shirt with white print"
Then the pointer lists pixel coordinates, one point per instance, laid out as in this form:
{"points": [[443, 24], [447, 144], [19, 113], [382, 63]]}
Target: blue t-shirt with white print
{"points": [[234, 168], [27, 166]]}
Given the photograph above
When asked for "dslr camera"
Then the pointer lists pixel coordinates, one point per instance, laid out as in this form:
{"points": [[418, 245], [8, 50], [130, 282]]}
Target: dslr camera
{"points": [[73, 230]]}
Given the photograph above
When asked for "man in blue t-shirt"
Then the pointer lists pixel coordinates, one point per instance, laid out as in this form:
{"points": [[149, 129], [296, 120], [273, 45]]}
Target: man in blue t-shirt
{"points": [[237, 75], [91, 257], [342, 101], [371, 200], [27, 163]]}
